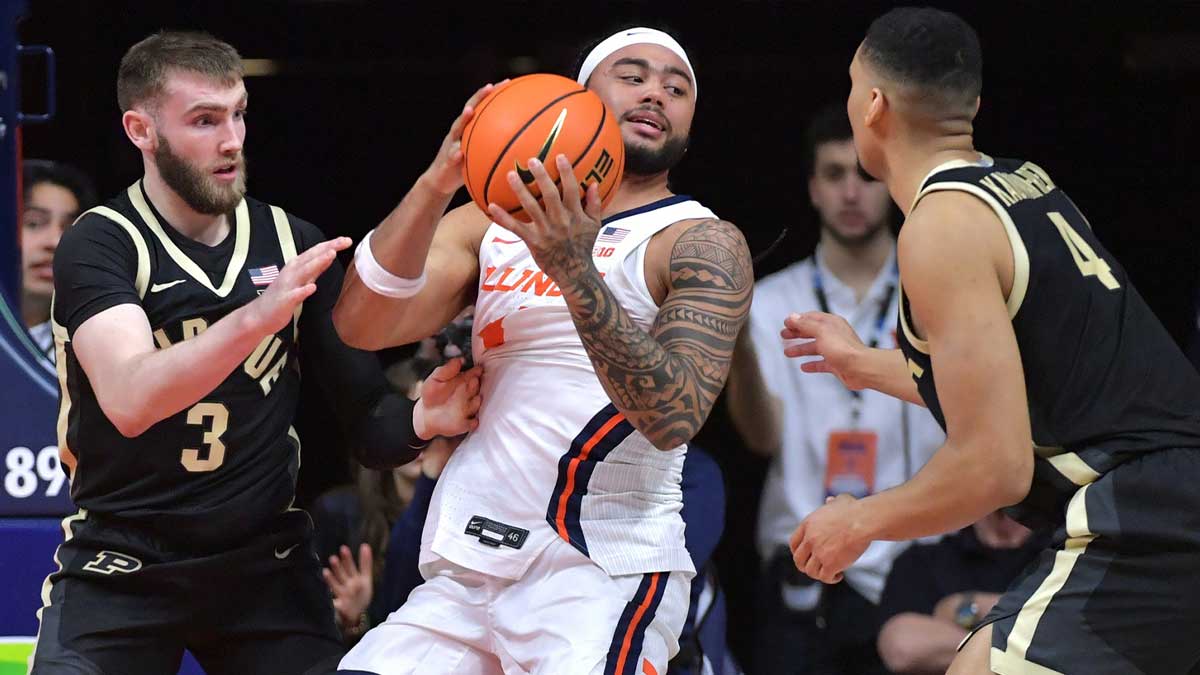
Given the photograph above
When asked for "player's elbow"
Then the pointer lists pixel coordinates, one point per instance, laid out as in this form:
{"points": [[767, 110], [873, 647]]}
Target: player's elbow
{"points": [[355, 332], [1009, 478], [127, 423]]}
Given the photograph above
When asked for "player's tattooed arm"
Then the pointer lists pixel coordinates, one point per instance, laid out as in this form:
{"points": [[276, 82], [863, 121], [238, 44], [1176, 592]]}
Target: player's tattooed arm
{"points": [[666, 381]]}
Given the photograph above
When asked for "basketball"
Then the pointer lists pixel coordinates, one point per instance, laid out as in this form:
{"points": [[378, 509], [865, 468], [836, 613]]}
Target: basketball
{"points": [[540, 116]]}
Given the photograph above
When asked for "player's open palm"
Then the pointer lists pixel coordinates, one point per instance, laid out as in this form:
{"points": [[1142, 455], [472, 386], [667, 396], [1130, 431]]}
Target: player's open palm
{"points": [[350, 583], [297, 280], [449, 401], [830, 337]]}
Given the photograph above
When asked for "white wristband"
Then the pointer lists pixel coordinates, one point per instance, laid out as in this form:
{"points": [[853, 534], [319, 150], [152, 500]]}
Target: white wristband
{"points": [[380, 280]]}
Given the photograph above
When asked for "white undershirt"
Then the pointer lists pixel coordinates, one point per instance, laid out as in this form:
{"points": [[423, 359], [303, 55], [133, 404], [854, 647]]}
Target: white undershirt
{"points": [[815, 404]]}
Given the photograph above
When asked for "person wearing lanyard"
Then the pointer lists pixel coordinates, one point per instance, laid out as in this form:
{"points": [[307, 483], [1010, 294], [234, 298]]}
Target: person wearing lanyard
{"points": [[823, 439]]}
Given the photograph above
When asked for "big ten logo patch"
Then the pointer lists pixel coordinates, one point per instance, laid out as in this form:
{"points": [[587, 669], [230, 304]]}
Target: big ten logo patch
{"points": [[109, 562]]}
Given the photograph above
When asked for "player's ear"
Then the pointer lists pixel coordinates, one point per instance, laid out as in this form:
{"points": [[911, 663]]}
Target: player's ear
{"points": [[876, 108], [139, 127]]}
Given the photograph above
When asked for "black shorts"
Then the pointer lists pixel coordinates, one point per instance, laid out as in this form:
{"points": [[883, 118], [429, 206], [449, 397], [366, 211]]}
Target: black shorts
{"points": [[1120, 590], [126, 603]]}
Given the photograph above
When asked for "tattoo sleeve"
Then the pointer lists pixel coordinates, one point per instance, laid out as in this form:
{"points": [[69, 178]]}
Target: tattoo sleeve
{"points": [[665, 381]]}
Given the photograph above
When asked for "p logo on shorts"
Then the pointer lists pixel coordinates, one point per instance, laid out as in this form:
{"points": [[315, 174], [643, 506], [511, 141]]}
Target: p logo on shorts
{"points": [[108, 562]]}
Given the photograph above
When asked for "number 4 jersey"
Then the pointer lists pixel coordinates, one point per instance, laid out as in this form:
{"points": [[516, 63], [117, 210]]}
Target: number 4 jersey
{"points": [[1103, 378], [217, 470]]}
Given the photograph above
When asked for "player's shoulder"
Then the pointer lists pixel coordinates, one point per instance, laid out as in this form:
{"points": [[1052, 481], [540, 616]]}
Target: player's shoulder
{"points": [[713, 232], [947, 219], [103, 225], [466, 225], [304, 232]]}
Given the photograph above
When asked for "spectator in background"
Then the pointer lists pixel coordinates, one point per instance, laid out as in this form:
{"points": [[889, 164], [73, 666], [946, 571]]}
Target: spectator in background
{"points": [[937, 593], [381, 514], [824, 439], [53, 196]]}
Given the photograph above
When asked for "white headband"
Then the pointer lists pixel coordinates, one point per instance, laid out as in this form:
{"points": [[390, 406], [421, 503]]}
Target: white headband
{"points": [[633, 36]]}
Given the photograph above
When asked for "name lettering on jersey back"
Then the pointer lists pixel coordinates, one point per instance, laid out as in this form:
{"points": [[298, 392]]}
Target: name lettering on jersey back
{"points": [[1027, 182], [526, 280], [262, 366]]}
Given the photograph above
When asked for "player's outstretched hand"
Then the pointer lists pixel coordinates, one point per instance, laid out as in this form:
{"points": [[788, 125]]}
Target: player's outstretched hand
{"points": [[350, 583], [297, 280], [830, 337], [561, 235], [449, 401], [445, 174]]}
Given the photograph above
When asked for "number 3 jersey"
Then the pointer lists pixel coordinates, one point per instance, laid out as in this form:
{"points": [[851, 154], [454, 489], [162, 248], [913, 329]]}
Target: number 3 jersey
{"points": [[217, 470], [553, 457], [1104, 379]]}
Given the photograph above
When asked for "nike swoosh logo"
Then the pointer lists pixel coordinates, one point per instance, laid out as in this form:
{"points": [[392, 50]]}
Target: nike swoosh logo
{"points": [[162, 287], [285, 552], [498, 240], [526, 176]]}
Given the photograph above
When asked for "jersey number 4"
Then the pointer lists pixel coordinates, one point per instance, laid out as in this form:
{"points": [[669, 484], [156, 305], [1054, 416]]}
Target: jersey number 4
{"points": [[1085, 257], [214, 418]]}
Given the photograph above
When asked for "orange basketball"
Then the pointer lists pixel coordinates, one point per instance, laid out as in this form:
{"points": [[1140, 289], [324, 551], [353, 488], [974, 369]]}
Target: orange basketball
{"points": [[540, 116]]}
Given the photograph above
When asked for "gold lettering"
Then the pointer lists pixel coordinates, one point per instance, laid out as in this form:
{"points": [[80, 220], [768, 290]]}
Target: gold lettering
{"points": [[998, 191], [193, 327], [261, 357]]}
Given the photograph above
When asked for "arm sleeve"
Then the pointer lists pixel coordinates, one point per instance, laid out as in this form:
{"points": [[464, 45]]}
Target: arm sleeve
{"points": [[376, 419], [95, 266], [910, 585], [400, 572]]}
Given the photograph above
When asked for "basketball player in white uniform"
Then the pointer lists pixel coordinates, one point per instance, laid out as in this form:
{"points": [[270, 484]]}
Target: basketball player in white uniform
{"points": [[554, 542]]}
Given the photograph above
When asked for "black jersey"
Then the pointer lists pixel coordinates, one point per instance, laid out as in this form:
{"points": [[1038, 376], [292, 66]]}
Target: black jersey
{"points": [[224, 466], [1103, 378]]}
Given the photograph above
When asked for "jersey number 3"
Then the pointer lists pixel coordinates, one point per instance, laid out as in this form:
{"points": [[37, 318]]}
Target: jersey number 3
{"points": [[204, 414], [1085, 257]]}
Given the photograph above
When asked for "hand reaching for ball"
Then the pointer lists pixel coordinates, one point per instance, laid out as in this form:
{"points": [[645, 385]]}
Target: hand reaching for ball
{"points": [[445, 174]]}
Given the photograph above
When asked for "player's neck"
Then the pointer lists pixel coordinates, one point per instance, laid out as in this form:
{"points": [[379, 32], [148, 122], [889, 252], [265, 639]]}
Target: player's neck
{"points": [[638, 191], [858, 264], [912, 164], [204, 228]]}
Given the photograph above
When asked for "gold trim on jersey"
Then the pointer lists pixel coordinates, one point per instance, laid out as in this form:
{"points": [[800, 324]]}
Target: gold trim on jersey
{"points": [[61, 339], [287, 244], [241, 243], [1078, 538], [1020, 282], [1074, 468], [142, 280], [81, 514], [917, 343]]}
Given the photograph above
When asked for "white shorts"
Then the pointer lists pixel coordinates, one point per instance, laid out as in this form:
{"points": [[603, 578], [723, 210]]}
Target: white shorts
{"points": [[566, 616]]}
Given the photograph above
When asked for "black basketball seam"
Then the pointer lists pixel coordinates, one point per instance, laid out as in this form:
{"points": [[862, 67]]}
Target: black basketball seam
{"points": [[492, 172], [599, 128], [467, 141]]}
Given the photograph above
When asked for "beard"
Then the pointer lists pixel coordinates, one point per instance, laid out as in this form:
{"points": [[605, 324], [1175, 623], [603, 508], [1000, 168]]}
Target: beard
{"points": [[643, 161], [196, 187]]}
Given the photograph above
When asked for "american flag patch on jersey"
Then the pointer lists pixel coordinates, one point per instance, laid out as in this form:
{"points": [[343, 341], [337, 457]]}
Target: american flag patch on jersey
{"points": [[611, 235], [263, 276]]}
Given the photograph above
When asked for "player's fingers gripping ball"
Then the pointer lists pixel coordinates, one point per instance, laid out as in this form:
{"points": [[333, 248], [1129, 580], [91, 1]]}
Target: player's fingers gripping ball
{"points": [[540, 116]]}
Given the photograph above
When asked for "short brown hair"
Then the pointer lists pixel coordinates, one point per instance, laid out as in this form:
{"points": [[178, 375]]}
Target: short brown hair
{"points": [[144, 68]]}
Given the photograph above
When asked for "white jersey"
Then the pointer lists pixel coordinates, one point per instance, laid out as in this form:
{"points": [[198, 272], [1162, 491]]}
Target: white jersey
{"points": [[552, 456]]}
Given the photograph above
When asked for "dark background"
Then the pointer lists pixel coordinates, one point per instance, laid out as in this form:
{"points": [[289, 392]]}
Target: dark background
{"points": [[1104, 98]]}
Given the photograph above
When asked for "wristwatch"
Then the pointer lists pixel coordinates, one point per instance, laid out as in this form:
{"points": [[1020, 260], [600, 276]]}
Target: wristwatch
{"points": [[967, 614]]}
